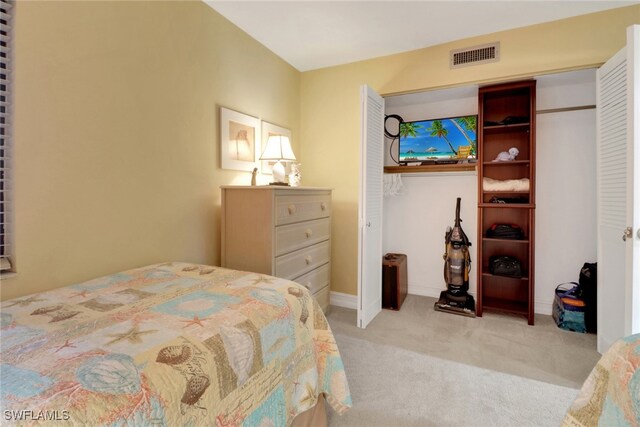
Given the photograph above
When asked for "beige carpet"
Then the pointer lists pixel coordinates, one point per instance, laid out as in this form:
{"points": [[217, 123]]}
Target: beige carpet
{"points": [[395, 387], [418, 367]]}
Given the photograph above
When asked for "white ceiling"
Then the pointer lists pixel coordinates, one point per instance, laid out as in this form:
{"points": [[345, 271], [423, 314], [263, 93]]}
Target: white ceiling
{"points": [[317, 34]]}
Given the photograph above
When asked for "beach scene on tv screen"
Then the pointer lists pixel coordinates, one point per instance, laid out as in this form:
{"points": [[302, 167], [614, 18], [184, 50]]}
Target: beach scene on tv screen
{"points": [[438, 139]]}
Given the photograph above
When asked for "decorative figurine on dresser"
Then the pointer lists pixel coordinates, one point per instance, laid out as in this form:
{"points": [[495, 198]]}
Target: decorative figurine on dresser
{"points": [[280, 231], [295, 176]]}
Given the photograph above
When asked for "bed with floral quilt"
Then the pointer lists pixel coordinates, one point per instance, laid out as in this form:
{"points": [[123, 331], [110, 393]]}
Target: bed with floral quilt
{"points": [[611, 394], [170, 344]]}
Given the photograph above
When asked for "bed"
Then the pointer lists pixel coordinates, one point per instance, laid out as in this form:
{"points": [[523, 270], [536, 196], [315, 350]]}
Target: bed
{"points": [[170, 344], [611, 394]]}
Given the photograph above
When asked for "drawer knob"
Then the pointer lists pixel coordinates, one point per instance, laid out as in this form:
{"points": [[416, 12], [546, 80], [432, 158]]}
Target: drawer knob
{"points": [[292, 209], [308, 232], [308, 285], [323, 206], [307, 259]]}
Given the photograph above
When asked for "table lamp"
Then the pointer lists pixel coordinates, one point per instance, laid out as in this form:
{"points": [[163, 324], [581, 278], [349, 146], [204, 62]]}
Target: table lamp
{"points": [[278, 148]]}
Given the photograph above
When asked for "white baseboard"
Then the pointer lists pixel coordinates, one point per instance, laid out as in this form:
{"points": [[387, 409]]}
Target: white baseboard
{"points": [[434, 291], [340, 299], [543, 308], [425, 290], [428, 291]]}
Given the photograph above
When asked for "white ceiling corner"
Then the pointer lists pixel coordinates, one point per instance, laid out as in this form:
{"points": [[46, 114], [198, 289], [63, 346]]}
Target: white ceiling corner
{"points": [[317, 34]]}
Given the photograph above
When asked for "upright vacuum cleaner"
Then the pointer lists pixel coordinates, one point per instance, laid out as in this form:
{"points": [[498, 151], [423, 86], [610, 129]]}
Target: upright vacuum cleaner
{"points": [[457, 264]]}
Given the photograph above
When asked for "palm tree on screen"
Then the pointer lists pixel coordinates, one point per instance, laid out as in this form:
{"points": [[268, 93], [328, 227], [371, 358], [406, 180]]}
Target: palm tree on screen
{"points": [[438, 129], [464, 125], [409, 129]]}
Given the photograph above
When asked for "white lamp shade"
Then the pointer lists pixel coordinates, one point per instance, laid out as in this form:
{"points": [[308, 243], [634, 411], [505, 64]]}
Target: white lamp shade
{"points": [[278, 148]]}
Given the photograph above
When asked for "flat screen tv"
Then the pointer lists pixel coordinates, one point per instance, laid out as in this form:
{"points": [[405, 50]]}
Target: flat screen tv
{"points": [[447, 139]]}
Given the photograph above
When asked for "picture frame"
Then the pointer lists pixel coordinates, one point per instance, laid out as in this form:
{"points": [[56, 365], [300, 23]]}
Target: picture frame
{"points": [[239, 140], [269, 129]]}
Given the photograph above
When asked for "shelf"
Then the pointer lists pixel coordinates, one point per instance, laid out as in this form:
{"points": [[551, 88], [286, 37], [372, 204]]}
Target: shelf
{"points": [[507, 205], [507, 306], [493, 239], [517, 127], [520, 279], [508, 102], [510, 163], [506, 193], [454, 167]]}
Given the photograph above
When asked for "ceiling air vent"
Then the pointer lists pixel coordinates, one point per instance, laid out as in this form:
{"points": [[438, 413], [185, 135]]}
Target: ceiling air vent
{"points": [[474, 55]]}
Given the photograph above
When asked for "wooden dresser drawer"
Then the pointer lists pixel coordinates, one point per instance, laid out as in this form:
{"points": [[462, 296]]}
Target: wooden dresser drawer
{"points": [[279, 231], [316, 279], [322, 296], [298, 208], [302, 261], [296, 236]]}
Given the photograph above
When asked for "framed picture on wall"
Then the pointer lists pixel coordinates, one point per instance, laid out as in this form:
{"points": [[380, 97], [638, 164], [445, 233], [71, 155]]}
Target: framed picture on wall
{"points": [[239, 140], [269, 129]]}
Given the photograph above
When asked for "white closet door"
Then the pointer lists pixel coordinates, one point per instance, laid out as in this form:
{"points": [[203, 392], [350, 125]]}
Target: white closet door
{"points": [[633, 213], [370, 208], [617, 195]]}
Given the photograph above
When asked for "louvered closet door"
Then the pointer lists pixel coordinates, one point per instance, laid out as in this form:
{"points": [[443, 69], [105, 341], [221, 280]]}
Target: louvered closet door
{"points": [[370, 208], [617, 196]]}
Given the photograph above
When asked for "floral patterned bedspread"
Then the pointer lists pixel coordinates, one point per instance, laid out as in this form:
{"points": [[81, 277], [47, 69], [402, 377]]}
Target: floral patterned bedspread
{"points": [[171, 344], [611, 394]]}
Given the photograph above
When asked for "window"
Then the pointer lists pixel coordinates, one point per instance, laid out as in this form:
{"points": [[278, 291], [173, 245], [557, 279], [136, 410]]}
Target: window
{"points": [[6, 11]]}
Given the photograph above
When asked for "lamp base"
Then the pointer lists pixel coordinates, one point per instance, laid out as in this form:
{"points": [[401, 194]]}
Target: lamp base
{"points": [[284, 184]]}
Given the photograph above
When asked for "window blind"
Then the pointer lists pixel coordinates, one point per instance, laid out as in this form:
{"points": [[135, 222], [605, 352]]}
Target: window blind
{"points": [[6, 11]]}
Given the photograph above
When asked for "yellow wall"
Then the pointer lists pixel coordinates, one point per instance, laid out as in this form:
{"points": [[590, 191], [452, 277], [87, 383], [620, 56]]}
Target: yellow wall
{"points": [[330, 104], [116, 133], [116, 126]]}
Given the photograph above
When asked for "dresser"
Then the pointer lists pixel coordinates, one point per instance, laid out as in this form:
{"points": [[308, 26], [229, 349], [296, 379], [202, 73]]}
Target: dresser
{"points": [[280, 231]]}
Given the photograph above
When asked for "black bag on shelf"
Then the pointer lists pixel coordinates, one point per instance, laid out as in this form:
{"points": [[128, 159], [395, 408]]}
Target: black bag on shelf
{"points": [[505, 231], [509, 120], [517, 200], [505, 265], [588, 292]]}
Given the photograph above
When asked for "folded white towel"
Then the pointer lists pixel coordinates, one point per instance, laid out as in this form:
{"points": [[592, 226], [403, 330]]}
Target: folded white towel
{"points": [[490, 184]]}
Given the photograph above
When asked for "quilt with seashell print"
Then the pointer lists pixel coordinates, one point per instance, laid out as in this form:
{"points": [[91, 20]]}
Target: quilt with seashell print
{"points": [[610, 396], [170, 344]]}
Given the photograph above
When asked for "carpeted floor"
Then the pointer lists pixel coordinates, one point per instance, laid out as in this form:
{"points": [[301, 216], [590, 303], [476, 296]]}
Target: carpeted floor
{"points": [[418, 367]]}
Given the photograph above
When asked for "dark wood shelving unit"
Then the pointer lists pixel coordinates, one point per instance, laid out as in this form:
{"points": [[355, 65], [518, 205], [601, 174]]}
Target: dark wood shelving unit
{"points": [[506, 306], [510, 164], [509, 241], [506, 205], [517, 127], [514, 102], [506, 277]]}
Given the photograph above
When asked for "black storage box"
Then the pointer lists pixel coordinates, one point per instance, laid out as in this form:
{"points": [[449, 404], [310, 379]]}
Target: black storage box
{"points": [[394, 280]]}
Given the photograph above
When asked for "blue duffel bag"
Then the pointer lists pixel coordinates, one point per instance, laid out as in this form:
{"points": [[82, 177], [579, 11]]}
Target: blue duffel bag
{"points": [[568, 308]]}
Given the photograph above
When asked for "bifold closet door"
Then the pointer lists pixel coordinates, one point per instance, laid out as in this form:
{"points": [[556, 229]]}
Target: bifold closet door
{"points": [[370, 207], [618, 193]]}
